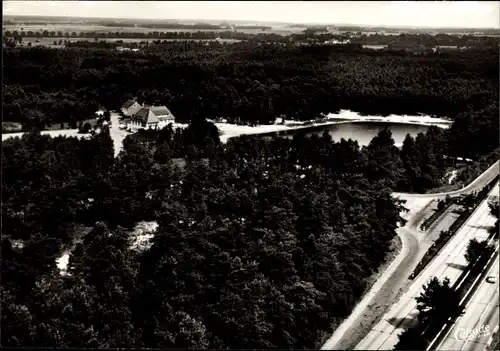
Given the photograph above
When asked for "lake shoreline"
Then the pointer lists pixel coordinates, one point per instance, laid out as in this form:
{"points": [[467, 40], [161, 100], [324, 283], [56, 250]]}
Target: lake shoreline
{"points": [[320, 126]]}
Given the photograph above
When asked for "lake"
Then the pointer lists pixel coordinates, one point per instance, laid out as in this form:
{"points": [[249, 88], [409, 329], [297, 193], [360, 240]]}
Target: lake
{"points": [[374, 47], [363, 132]]}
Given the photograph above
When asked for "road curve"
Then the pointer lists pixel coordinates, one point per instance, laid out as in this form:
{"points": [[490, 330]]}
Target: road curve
{"points": [[394, 279], [475, 185]]}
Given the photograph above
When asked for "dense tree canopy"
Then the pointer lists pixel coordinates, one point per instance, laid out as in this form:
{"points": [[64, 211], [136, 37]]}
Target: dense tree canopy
{"points": [[252, 83], [260, 246]]}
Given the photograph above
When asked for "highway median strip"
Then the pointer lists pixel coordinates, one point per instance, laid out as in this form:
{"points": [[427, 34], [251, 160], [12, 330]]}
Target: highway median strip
{"points": [[443, 205]]}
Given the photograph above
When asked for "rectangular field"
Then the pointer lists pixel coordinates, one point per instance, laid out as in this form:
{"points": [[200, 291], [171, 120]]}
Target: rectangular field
{"points": [[49, 42]]}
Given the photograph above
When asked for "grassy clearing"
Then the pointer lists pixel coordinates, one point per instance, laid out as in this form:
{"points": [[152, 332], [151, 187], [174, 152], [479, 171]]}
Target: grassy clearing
{"points": [[49, 42], [65, 125], [14, 127]]}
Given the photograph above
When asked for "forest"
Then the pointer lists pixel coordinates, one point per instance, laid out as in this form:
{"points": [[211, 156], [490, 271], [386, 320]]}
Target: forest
{"points": [[260, 243], [249, 82], [260, 247]]}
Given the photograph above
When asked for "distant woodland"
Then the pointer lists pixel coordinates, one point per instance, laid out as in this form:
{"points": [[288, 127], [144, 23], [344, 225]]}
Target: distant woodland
{"points": [[261, 33], [260, 243], [246, 82]]}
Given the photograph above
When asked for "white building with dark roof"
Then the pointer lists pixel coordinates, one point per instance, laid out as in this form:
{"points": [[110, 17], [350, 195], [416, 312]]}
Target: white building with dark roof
{"points": [[163, 114], [143, 119], [150, 117], [130, 107], [146, 116]]}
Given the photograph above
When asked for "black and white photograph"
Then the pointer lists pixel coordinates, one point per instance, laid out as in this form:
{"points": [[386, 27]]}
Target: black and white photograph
{"points": [[250, 175]]}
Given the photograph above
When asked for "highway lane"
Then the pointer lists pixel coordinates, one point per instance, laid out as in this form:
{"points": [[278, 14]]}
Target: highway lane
{"points": [[481, 311], [448, 263]]}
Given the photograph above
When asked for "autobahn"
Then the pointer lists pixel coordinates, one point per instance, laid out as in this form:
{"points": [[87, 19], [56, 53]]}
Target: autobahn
{"points": [[391, 283], [473, 330], [450, 263]]}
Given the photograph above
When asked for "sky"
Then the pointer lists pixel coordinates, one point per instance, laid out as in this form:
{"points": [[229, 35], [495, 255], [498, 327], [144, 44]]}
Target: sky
{"points": [[454, 14]]}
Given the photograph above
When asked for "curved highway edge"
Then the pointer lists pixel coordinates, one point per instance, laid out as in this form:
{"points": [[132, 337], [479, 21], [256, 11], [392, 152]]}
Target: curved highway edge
{"points": [[401, 264]]}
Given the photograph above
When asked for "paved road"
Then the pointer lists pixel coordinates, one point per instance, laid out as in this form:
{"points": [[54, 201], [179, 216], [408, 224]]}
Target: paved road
{"points": [[387, 288], [477, 184], [448, 263], [481, 311], [379, 296]]}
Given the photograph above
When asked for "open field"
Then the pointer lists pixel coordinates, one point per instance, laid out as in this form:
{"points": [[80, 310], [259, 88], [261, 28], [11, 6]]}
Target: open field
{"points": [[49, 127], [53, 133], [50, 41]]}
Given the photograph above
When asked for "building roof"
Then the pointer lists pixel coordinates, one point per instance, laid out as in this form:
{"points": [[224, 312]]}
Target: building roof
{"points": [[128, 103], [161, 110], [145, 116]]}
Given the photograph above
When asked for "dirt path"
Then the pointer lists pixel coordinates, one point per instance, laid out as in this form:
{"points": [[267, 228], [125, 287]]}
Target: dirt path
{"points": [[117, 134]]}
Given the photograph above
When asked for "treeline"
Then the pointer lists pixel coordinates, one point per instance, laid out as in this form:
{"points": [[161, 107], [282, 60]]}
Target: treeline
{"points": [[418, 166], [401, 40], [254, 83], [163, 25], [258, 246], [180, 35], [35, 108], [315, 35]]}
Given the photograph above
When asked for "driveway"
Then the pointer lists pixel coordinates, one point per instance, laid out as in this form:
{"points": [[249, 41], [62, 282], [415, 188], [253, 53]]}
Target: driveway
{"points": [[117, 134]]}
